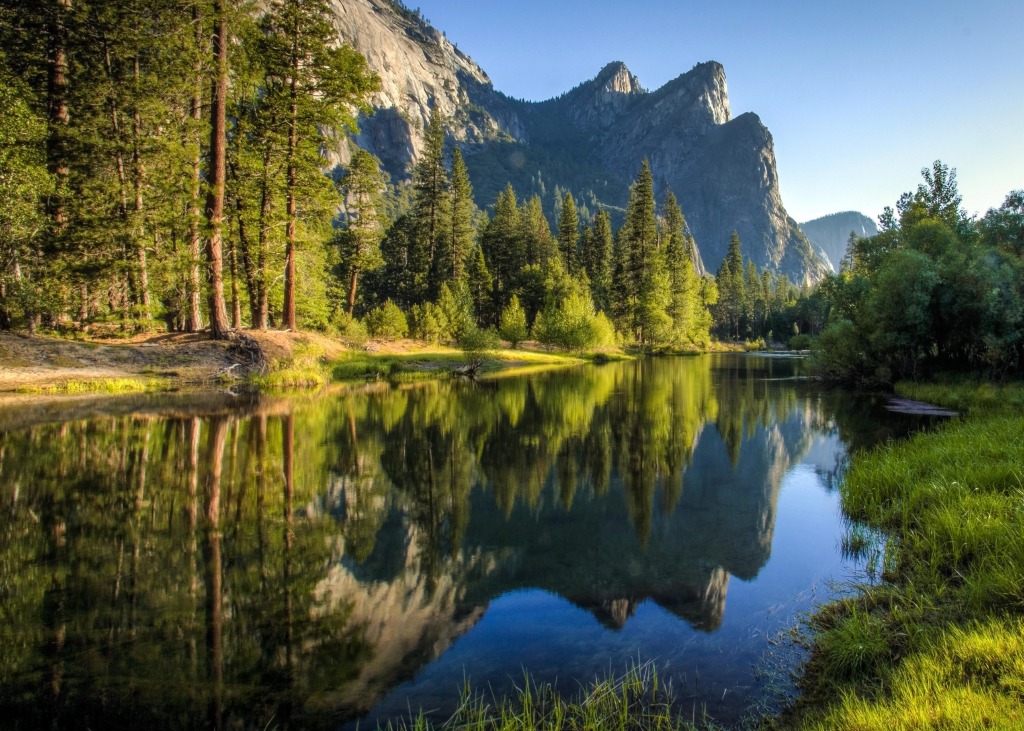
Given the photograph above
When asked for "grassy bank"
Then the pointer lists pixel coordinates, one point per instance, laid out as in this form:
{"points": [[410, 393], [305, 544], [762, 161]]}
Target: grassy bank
{"points": [[309, 366], [940, 643]]}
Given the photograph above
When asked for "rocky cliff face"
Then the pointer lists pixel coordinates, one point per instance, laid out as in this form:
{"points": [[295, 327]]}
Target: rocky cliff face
{"points": [[590, 140], [419, 68], [831, 233]]}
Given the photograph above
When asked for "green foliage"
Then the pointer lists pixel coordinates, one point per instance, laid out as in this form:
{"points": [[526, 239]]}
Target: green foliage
{"points": [[427, 322], [387, 322], [572, 324], [455, 311], [512, 326], [934, 291], [800, 342], [350, 329], [636, 701]]}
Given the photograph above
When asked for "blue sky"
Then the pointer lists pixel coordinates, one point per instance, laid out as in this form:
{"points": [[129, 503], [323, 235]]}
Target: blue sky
{"points": [[858, 95]]}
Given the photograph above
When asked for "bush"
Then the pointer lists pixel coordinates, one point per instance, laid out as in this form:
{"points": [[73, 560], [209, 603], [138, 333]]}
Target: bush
{"points": [[569, 325], [513, 323], [479, 339], [455, 311], [839, 353], [427, 323], [349, 329], [387, 322], [800, 342]]}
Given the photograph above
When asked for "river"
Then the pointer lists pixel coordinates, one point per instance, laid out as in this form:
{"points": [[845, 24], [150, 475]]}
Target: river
{"points": [[322, 560]]}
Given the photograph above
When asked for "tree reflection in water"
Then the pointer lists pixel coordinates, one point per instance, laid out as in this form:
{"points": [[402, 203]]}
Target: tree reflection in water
{"points": [[205, 562]]}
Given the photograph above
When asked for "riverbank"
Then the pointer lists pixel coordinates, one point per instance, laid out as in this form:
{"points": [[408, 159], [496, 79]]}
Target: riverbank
{"points": [[36, 364], [939, 643]]}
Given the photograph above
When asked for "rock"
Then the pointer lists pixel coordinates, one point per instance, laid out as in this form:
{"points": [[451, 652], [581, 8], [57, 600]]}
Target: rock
{"points": [[590, 140], [831, 233]]}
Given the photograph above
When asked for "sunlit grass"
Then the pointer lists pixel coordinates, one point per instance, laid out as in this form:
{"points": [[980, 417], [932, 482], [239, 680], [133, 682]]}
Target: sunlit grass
{"points": [[941, 644], [306, 367], [100, 386], [441, 362]]}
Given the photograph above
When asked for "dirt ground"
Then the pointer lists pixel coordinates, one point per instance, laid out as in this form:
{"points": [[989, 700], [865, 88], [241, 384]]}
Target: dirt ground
{"points": [[194, 359]]}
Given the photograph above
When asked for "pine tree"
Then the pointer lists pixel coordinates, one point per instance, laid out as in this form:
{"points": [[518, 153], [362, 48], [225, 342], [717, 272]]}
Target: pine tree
{"points": [[317, 82], [363, 188], [431, 259], [215, 174], [685, 305], [480, 285], [596, 255], [731, 290], [539, 246], [460, 240], [569, 235], [503, 247], [638, 268]]}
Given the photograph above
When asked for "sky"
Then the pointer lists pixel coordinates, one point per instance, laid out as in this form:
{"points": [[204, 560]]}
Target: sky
{"points": [[859, 95]]}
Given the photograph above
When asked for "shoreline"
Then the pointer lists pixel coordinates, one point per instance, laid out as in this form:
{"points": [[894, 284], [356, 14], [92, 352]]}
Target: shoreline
{"points": [[42, 366]]}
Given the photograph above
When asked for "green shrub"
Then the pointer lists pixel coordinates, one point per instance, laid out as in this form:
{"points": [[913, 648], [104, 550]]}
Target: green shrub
{"points": [[800, 342], [349, 328], [426, 323], [387, 322], [513, 323]]}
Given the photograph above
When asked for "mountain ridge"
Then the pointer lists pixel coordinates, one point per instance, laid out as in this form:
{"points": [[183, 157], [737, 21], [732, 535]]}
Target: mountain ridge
{"points": [[589, 141]]}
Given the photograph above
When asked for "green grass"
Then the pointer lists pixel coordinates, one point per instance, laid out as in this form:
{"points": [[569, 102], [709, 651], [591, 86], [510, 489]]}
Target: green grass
{"points": [[940, 645], [100, 385], [442, 362], [636, 701], [305, 368]]}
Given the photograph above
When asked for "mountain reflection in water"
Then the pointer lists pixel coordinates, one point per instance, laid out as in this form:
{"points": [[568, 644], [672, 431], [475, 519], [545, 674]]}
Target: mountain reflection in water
{"points": [[299, 561]]}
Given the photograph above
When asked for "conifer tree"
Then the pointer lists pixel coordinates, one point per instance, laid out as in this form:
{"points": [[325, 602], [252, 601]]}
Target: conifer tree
{"points": [[480, 285], [460, 240], [432, 212], [731, 290], [503, 247], [639, 269], [317, 83], [596, 255], [363, 188], [216, 173], [538, 244], [568, 235], [685, 306]]}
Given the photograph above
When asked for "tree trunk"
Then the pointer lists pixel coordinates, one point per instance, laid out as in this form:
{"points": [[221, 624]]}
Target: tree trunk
{"points": [[236, 306], [262, 305], [57, 113], [139, 173], [215, 173], [288, 316], [352, 291], [194, 315]]}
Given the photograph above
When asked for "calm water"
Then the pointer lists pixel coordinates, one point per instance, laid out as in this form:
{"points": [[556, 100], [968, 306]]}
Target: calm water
{"points": [[316, 561]]}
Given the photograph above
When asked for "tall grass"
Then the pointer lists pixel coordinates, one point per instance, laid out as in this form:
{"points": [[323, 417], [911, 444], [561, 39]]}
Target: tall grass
{"points": [[635, 701], [941, 644], [100, 385]]}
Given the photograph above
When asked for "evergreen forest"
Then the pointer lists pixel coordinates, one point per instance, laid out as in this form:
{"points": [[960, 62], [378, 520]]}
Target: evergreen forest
{"points": [[164, 165]]}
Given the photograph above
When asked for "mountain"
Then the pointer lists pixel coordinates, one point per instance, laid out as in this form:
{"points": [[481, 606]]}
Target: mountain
{"points": [[589, 141], [829, 234]]}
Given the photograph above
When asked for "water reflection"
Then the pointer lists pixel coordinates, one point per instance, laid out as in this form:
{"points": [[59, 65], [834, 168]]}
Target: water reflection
{"points": [[290, 561]]}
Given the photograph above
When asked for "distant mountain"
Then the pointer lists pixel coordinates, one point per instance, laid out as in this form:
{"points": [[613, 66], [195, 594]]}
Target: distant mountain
{"points": [[830, 234], [589, 141]]}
